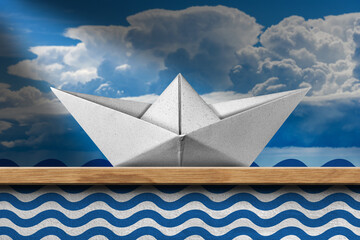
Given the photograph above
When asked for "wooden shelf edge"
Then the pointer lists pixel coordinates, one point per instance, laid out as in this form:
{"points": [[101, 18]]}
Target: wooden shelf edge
{"points": [[179, 175]]}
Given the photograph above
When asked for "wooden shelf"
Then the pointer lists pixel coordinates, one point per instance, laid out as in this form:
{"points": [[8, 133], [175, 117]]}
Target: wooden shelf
{"points": [[179, 175]]}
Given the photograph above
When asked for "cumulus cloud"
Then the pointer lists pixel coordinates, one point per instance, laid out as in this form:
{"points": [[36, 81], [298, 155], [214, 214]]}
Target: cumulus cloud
{"points": [[31, 119], [166, 30], [4, 126], [24, 116], [216, 48], [59, 65], [198, 41], [148, 98], [222, 96], [26, 96], [26, 103], [209, 98], [320, 53], [37, 133], [123, 67]]}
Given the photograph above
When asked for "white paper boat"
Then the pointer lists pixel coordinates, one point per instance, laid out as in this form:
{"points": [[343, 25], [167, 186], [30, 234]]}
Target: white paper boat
{"points": [[179, 128]]}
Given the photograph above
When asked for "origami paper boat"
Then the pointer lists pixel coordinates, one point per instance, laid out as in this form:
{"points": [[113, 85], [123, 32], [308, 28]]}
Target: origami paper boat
{"points": [[179, 128]]}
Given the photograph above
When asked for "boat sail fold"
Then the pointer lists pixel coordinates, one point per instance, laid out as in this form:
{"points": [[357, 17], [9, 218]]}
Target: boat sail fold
{"points": [[179, 128]]}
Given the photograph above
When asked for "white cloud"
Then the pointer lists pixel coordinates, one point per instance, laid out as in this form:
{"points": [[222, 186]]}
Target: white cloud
{"points": [[149, 98], [8, 144], [158, 44], [167, 30], [102, 87], [295, 53], [209, 98], [41, 108], [82, 75], [270, 85], [23, 97], [26, 103], [123, 67], [4, 126], [58, 65], [223, 96], [325, 99], [205, 33], [38, 132]]}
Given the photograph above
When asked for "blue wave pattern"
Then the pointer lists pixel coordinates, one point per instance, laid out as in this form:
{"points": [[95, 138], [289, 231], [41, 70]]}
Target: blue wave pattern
{"points": [[54, 163], [179, 212], [106, 163]]}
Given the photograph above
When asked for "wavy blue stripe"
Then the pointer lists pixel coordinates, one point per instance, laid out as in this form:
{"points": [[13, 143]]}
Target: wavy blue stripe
{"points": [[218, 189], [170, 188], [266, 188], [354, 188], [26, 189], [181, 235], [191, 214], [123, 189], [180, 202], [74, 189], [314, 189]]}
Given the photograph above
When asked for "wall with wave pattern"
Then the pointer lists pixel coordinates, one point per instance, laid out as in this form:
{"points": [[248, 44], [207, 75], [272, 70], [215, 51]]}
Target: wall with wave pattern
{"points": [[179, 212]]}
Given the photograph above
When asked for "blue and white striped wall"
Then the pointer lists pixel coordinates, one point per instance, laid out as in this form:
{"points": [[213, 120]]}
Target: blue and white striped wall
{"points": [[179, 212]]}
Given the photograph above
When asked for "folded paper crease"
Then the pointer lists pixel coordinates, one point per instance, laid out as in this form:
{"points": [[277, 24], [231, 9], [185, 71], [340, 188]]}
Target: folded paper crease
{"points": [[180, 128]]}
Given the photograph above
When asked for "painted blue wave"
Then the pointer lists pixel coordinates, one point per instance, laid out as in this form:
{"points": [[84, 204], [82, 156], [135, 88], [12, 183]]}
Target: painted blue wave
{"points": [[106, 163], [170, 206], [146, 195], [8, 163], [98, 163], [338, 163], [214, 189], [335, 231], [165, 222], [290, 163], [56, 163], [28, 189], [123, 189], [298, 163], [50, 163]]}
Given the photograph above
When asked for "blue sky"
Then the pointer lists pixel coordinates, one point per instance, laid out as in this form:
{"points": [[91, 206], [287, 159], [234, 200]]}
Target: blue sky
{"points": [[225, 50]]}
